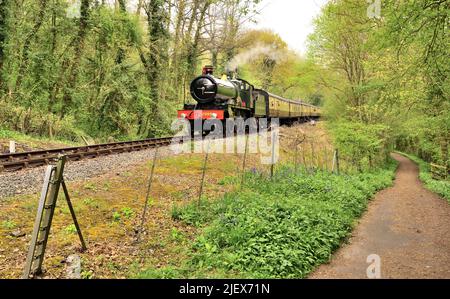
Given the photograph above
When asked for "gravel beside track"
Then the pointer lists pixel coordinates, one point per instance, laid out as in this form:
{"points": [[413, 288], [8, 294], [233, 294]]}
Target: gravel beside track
{"points": [[30, 180]]}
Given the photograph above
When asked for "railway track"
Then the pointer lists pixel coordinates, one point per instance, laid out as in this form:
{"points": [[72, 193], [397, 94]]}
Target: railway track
{"points": [[18, 161]]}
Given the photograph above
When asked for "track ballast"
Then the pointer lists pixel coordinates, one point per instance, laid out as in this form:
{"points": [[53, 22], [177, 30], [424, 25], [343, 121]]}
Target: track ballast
{"points": [[18, 161]]}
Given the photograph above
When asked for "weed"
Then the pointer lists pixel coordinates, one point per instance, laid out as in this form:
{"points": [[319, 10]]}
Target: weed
{"points": [[90, 202], [127, 212], [106, 186], [87, 274], [71, 229], [90, 186], [8, 224], [177, 235], [116, 216], [228, 180]]}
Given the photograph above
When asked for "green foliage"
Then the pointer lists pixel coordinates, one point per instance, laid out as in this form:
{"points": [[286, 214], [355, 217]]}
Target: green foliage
{"points": [[110, 72], [191, 214], [361, 144], [124, 213], [441, 187], [35, 122], [280, 228], [391, 71]]}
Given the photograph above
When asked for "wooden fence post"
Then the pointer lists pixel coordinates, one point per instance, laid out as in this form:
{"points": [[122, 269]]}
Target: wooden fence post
{"points": [[147, 195], [272, 165], [337, 161], [312, 155], [203, 175], [296, 158], [244, 161]]}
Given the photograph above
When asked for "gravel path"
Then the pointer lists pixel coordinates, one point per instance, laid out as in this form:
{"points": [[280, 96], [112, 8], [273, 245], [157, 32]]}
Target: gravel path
{"points": [[407, 226], [30, 180]]}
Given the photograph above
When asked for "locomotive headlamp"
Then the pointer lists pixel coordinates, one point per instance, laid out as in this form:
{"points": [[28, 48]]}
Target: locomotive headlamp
{"points": [[214, 115], [183, 115]]}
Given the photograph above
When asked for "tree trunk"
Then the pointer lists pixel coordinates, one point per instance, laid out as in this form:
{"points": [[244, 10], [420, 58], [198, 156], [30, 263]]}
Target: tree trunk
{"points": [[3, 32], [120, 56], [139, 7], [193, 46], [158, 37], [79, 46], [26, 47]]}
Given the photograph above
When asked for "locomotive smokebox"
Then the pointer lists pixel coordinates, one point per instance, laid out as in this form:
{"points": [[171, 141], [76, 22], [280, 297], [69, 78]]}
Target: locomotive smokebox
{"points": [[207, 88]]}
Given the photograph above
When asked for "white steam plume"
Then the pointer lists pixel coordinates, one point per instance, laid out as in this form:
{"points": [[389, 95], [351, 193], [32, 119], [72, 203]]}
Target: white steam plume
{"points": [[254, 53]]}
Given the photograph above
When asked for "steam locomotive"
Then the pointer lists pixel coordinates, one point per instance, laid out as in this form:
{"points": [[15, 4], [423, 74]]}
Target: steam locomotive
{"points": [[233, 97]]}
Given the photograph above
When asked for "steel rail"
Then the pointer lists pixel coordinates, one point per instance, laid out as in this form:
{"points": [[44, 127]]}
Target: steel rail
{"points": [[18, 161]]}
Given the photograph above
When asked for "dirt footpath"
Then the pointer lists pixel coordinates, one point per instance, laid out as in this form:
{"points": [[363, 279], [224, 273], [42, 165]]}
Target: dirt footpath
{"points": [[407, 226]]}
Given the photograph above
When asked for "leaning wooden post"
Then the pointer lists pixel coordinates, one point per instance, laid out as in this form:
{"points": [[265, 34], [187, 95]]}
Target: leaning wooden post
{"points": [[313, 159], [272, 165], [333, 163], [147, 195], [320, 158], [337, 161], [304, 158], [203, 175], [244, 161], [295, 157]]}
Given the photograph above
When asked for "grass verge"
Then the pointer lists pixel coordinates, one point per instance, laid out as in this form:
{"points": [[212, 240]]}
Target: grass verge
{"points": [[31, 140], [437, 186], [280, 228]]}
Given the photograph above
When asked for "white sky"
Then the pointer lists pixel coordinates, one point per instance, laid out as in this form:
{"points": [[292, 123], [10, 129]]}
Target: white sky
{"points": [[291, 19]]}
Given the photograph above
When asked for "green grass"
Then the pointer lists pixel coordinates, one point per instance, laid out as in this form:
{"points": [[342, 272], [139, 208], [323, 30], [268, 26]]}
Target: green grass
{"points": [[23, 138], [440, 187], [280, 228]]}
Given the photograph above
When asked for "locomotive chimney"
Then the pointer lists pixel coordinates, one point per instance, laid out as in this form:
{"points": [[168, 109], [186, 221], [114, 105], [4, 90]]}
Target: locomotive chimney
{"points": [[208, 70]]}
